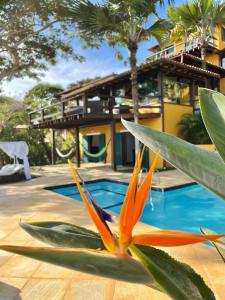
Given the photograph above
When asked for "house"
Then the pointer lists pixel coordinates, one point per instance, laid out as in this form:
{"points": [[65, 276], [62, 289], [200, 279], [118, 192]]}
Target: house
{"points": [[168, 88]]}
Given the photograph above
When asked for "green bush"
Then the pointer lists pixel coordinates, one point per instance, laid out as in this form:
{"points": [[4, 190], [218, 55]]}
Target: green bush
{"points": [[193, 130]]}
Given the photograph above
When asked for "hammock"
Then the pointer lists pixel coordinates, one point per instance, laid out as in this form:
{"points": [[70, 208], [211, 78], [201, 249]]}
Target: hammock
{"points": [[96, 155], [60, 154]]}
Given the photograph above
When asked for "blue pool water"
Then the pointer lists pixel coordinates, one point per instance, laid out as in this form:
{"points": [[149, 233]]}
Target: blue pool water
{"points": [[186, 208]]}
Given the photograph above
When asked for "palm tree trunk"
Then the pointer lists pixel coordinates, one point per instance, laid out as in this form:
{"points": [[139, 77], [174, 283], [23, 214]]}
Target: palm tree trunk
{"points": [[134, 84], [203, 56]]}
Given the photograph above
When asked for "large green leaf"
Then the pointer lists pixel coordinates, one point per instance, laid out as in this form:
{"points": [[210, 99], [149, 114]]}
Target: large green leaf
{"points": [[220, 247], [178, 280], [64, 235], [203, 166], [111, 266], [212, 106]]}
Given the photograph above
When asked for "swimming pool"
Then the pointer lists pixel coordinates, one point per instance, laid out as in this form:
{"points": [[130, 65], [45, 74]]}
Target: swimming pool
{"points": [[185, 208]]}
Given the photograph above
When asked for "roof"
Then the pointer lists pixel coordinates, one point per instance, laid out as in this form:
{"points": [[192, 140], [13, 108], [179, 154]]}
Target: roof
{"points": [[110, 79], [218, 69], [90, 83]]}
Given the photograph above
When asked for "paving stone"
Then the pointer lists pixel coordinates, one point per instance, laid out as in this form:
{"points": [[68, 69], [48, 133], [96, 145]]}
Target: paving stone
{"points": [[23, 278], [44, 289], [91, 289]]}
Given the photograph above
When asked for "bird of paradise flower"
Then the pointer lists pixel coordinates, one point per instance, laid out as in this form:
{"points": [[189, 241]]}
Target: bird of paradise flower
{"points": [[131, 211], [120, 255]]}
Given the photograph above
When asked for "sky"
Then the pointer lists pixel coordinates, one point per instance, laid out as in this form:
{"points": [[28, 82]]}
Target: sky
{"points": [[98, 62]]}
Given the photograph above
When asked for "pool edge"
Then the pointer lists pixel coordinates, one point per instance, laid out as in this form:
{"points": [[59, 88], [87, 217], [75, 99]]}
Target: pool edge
{"points": [[155, 188]]}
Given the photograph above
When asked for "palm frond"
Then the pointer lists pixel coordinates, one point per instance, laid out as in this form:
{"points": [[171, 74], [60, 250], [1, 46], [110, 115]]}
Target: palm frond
{"points": [[197, 18], [160, 30]]}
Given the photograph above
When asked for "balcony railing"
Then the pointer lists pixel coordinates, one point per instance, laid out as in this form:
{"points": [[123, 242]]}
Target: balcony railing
{"points": [[176, 48], [90, 110]]}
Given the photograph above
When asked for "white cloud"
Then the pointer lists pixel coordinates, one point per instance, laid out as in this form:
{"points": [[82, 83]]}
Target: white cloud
{"points": [[16, 87], [64, 73]]}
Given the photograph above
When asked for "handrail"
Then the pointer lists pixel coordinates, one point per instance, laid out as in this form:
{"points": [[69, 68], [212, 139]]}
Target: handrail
{"points": [[42, 108], [63, 110], [187, 46]]}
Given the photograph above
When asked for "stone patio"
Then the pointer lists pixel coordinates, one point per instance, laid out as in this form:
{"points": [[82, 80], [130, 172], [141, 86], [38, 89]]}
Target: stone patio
{"points": [[27, 279]]}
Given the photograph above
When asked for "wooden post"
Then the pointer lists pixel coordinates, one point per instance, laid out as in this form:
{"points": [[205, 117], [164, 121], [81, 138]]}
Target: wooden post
{"points": [[62, 109], [192, 93], [29, 118], [218, 85], [110, 102], [42, 115], [160, 86], [84, 98], [53, 147], [113, 145], [77, 147]]}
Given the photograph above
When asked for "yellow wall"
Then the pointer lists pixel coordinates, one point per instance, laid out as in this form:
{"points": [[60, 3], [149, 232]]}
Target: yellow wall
{"points": [[173, 114], [209, 147], [213, 58], [218, 42], [155, 123], [222, 85], [179, 46], [102, 129]]}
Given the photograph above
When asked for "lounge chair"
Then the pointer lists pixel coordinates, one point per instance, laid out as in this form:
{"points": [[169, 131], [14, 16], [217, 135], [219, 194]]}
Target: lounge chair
{"points": [[11, 173]]}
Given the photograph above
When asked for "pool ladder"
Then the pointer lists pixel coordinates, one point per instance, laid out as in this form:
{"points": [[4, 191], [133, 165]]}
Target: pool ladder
{"points": [[143, 171]]}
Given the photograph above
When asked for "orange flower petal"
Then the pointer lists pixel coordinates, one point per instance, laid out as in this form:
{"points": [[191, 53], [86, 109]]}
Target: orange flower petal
{"points": [[143, 190], [104, 231], [167, 238], [127, 211]]}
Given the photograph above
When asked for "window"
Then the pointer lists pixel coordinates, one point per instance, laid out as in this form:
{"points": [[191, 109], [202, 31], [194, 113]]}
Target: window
{"points": [[148, 90], [176, 90], [170, 50], [148, 86]]}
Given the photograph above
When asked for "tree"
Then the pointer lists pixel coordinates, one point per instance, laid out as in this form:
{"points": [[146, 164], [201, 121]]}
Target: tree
{"points": [[13, 113], [122, 23], [41, 95], [31, 34], [81, 82], [10, 108], [193, 130], [197, 20]]}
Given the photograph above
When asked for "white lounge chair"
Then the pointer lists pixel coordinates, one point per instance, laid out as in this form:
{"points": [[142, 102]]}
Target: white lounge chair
{"points": [[11, 173]]}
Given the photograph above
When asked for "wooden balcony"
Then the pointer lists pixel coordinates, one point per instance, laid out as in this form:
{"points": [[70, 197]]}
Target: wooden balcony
{"points": [[67, 114], [177, 48]]}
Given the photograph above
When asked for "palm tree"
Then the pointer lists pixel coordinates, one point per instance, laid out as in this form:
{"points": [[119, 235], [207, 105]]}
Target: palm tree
{"points": [[197, 20], [192, 129], [121, 23]]}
